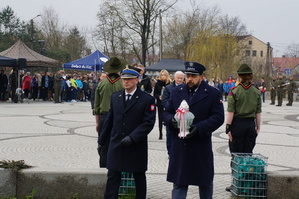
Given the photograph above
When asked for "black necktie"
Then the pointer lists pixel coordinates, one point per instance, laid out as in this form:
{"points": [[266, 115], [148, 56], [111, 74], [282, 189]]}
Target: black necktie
{"points": [[128, 99], [191, 93]]}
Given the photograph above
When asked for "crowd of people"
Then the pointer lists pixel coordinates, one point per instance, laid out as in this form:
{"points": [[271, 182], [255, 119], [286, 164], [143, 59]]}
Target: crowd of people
{"points": [[78, 86], [45, 86]]}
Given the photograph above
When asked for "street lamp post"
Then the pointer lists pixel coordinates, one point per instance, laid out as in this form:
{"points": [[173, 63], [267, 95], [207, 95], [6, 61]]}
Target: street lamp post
{"points": [[31, 30], [41, 44]]}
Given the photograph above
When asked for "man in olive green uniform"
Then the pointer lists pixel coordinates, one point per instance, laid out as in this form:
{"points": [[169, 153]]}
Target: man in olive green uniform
{"points": [[273, 90], [244, 109], [280, 90], [291, 88], [106, 87], [58, 85]]}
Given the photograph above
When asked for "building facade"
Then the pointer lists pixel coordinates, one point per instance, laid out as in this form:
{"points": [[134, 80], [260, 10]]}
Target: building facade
{"points": [[257, 54]]}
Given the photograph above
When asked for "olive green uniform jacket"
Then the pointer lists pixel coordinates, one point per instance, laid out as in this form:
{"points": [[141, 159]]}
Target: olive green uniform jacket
{"points": [[244, 101], [104, 91]]}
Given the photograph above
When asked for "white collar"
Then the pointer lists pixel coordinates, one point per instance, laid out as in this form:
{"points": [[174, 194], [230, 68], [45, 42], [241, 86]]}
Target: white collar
{"points": [[132, 93]]}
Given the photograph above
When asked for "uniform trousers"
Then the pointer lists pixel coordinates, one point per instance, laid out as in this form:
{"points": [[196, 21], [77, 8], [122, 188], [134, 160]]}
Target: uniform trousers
{"points": [[180, 191], [280, 96], [244, 135], [290, 97], [57, 93], [273, 95], [104, 149], [113, 183]]}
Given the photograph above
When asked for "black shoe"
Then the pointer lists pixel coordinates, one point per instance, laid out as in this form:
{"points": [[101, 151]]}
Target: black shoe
{"points": [[278, 105], [289, 104], [160, 138], [228, 188], [272, 104]]}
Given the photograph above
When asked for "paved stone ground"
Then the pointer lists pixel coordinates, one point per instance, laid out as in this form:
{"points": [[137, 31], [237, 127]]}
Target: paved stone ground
{"points": [[62, 136]]}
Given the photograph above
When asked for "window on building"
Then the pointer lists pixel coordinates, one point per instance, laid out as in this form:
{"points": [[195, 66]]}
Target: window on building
{"points": [[250, 42], [254, 53], [262, 53], [247, 52]]}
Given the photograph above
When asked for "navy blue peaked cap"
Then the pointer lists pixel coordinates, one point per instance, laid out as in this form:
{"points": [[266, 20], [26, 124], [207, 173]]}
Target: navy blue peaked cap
{"points": [[194, 68], [130, 72]]}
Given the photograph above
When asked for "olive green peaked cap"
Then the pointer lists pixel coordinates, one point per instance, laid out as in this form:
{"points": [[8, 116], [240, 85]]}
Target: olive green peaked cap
{"points": [[244, 69], [114, 65]]}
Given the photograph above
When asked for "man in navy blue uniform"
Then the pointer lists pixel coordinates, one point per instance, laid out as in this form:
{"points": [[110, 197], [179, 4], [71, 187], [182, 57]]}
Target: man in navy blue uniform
{"points": [[129, 120], [191, 158]]}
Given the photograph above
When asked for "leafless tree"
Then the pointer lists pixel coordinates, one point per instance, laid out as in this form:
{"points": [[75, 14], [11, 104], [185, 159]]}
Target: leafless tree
{"points": [[292, 50], [135, 22], [64, 43], [232, 26], [51, 28]]}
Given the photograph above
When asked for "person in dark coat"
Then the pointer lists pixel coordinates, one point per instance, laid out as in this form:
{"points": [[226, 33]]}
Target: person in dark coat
{"points": [[130, 119], [178, 80], [3, 85], [162, 81], [109, 85], [45, 86], [144, 80], [191, 158]]}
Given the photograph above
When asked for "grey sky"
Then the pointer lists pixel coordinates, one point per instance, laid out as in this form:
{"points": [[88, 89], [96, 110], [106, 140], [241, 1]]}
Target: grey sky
{"points": [[273, 21]]}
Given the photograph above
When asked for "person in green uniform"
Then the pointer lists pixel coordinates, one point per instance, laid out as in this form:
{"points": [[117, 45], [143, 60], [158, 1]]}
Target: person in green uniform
{"points": [[280, 89], [58, 85], [112, 83], [273, 90], [291, 88], [244, 109]]}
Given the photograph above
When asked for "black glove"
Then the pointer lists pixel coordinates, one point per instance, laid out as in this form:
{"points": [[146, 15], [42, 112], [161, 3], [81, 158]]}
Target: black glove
{"points": [[173, 124], [126, 141], [193, 132]]}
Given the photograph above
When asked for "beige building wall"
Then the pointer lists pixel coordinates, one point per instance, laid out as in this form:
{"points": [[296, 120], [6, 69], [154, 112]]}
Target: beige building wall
{"points": [[257, 54]]}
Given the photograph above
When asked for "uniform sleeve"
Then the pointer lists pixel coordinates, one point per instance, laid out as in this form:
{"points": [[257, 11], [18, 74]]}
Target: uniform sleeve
{"points": [[92, 95], [215, 119], [96, 104], [259, 104], [231, 102], [107, 127]]}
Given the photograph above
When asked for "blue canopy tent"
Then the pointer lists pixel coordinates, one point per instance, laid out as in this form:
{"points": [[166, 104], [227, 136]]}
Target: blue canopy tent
{"points": [[92, 62]]}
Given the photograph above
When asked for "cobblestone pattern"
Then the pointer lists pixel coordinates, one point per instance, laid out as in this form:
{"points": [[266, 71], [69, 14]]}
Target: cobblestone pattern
{"points": [[62, 136]]}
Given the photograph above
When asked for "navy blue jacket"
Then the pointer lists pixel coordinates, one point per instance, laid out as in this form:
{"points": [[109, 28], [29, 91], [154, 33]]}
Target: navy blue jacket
{"points": [[136, 120], [191, 160]]}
